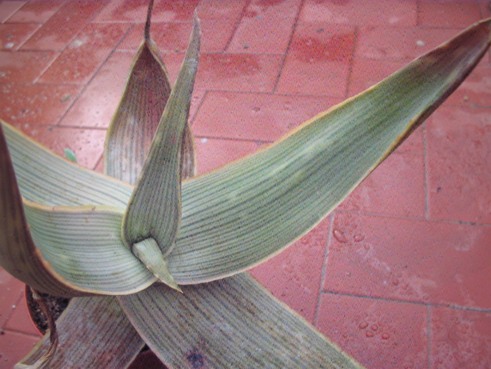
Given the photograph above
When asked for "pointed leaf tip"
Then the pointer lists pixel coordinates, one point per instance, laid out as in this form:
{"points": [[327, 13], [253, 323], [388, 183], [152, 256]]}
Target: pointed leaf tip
{"points": [[149, 253]]}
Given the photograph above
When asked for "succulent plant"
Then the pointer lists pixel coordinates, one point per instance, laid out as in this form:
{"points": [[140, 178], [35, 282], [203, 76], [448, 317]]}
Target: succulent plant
{"points": [[151, 254]]}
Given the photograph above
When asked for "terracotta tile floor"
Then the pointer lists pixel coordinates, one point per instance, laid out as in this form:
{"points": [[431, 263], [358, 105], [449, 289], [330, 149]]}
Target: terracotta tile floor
{"points": [[399, 275]]}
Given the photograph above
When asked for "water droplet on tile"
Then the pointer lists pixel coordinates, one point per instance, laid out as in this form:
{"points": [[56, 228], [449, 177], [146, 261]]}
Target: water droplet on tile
{"points": [[369, 334], [420, 43], [204, 140], [358, 237], [363, 325], [339, 235], [9, 45], [385, 336]]}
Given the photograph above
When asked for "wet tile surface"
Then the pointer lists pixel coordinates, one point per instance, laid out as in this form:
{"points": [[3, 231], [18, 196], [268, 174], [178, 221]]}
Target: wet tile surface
{"points": [[379, 334], [410, 244]]}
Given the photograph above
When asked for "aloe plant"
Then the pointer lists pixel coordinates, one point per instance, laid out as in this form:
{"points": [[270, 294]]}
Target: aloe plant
{"points": [[151, 254]]}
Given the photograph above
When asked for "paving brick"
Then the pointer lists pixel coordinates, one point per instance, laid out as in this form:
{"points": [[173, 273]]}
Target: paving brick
{"points": [[27, 104], [418, 261], [8, 8], [238, 72], [14, 35], [70, 18], [262, 34], [97, 104], [214, 153], [164, 11], [36, 11], [318, 60], [294, 275], [448, 13], [399, 43], [13, 347], [396, 187], [374, 12], [379, 334], [87, 144], [23, 66], [80, 60], [459, 175], [11, 290], [255, 116], [20, 320], [460, 339]]}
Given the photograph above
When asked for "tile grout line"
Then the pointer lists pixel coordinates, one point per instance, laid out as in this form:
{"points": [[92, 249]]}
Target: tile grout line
{"points": [[409, 302], [237, 24], [287, 50], [200, 104], [352, 61], [429, 335], [12, 311], [324, 269], [425, 173], [413, 218]]}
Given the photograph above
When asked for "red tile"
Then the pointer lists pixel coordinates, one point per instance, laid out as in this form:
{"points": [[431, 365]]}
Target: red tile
{"points": [[11, 291], [448, 13], [410, 260], [234, 72], [136, 10], [460, 339], [97, 104], [367, 72], [404, 43], [13, 347], [14, 35], [219, 9], [70, 18], [83, 56], [459, 164], [8, 8], [214, 153], [20, 320], [35, 104], [475, 90], [379, 334], [36, 11], [318, 60], [396, 187], [87, 144], [262, 35], [485, 8], [272, 9], [255, 116], [24, 66], [373, 12], [294, 275], [172, 37]]}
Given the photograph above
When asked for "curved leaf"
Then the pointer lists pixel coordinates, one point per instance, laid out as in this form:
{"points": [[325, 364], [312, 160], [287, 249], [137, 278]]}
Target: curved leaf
{"points": [[243, 213]]}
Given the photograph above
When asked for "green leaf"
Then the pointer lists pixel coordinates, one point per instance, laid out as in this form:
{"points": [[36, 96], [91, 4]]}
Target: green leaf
{"points": [[18, 254], [83, 246], [232, 323], [154, 210], [236, 217]]}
